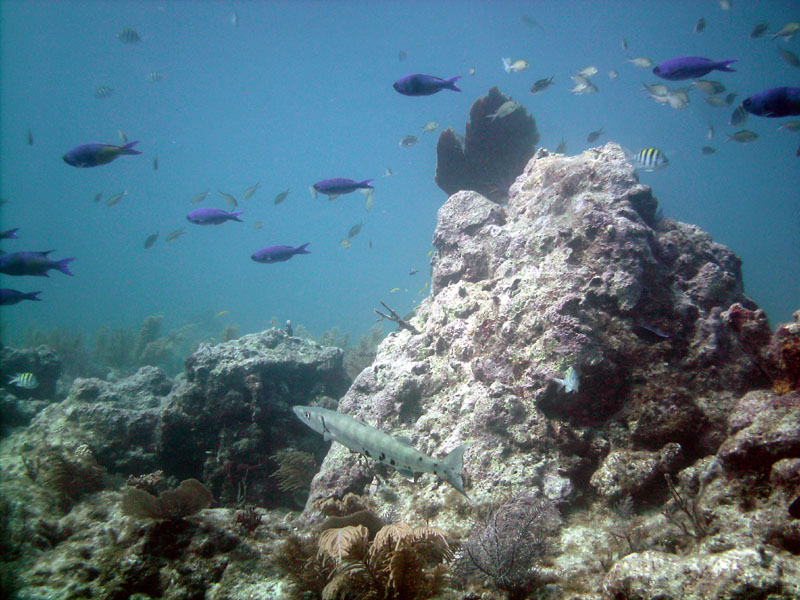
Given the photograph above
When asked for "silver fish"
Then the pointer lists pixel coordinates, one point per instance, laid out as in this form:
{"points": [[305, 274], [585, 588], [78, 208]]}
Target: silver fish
{"points": [[642, 62], [745, 136], [429, 126], [151, 239], [505, 109], [248, 193], [790, 58], [759, 30], [408, 141], [790, 126], [738, 117], [374, 443], [708, 86], [571, 381], [281, 196], [229, 198], [516, 66], [198, 198]]}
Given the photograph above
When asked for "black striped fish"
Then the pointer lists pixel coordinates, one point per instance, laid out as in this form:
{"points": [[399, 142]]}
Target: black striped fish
{"points": [[128, 36], [650, 159], [24, 380], [103, 91]]}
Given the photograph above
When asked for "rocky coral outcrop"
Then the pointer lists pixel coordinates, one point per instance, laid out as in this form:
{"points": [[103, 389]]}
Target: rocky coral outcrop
{"points": [[579, 270]]}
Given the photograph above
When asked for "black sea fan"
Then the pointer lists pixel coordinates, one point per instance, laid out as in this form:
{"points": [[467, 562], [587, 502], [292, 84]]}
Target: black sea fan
{"points": [[510, 543], [492, 153]]}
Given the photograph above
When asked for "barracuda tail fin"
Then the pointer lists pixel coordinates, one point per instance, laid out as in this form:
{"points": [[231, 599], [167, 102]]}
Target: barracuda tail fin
{"points": [[453, 463]]}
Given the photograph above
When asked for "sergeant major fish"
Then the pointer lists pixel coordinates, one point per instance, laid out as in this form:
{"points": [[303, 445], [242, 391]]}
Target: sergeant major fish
{"points": [[24, 380], [374, 443]]}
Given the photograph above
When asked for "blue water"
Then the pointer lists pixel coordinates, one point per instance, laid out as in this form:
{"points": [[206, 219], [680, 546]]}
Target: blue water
{"points": [[302, 91]]}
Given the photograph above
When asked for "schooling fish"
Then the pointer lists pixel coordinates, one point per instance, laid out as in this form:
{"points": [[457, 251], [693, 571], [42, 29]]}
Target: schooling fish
{"points": [[9, 296], [32, 263], [691, 67], [281, 197], [273, 254], [774, 102], [248, 193], [418, 84], [333, 188], [386, 449], [516, 66], [212, 216], [94, 155]]}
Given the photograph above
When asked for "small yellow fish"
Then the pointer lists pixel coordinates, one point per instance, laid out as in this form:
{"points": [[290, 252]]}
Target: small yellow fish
{"points": [[229, 198], [431, 251], [248, 193], [116, 198], [198, 198], [393, 290], [222, 313]]}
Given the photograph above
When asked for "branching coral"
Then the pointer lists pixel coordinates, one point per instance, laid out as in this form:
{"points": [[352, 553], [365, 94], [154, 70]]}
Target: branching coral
{"points": [[295, 471], [510, 543], [67, 475]]}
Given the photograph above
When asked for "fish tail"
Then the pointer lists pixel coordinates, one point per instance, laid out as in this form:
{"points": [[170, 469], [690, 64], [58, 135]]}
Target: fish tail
{"points": [[33, 296], [725, 65], [61, 265], [507, 65], [450, 84], [234, 216], [302, 249], [128, 148], [365, 184], [11, 234]]}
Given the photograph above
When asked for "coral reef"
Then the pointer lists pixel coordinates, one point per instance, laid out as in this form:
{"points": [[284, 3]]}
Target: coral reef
{"points": [[493, 152], [570, 273]]}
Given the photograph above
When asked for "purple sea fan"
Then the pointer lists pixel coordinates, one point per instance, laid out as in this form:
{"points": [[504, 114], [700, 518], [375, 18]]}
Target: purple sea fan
{"points": [[511, 541]]}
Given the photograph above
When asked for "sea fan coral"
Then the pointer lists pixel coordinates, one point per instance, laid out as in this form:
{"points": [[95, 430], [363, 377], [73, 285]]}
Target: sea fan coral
{"points": [[188, 498], [493, 152]]}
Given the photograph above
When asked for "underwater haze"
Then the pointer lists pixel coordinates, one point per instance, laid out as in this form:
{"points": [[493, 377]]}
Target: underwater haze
{"points": [[285, 94]]}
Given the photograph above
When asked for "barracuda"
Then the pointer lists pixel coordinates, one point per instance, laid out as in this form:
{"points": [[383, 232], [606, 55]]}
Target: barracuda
{"points": [[374, 443]]}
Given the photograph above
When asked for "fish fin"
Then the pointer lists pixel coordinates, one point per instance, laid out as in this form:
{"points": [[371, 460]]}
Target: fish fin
{"points": [[725, 65], [404, 439], [455, 458], [326, 435], [33, 296], [407, 473], [128, 148], [302, 249], [507, 65], [61, 265], [450, 84], [235, 216], [365, 184], [313, 191], [562, 383]]}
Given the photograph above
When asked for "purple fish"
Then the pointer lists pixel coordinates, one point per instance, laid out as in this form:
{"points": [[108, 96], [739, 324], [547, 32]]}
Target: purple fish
{"points": [[32, 263], [273, 254], [93, 155], [338, 186], [691, 67], [774, 102], [212, 216], [418, 84], [9, 296], [11, 234]]}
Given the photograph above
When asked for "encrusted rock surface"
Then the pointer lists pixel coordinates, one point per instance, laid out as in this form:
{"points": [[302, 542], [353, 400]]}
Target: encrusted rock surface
{"points": [[578, 269]]}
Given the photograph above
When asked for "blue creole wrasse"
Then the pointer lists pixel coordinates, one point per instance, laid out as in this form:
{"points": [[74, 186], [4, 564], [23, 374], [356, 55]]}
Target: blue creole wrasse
{"points": [[94, 155], [273, 254], [774, 102], [32, 263], [333, 188], [418, 84], [691, 67]]}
